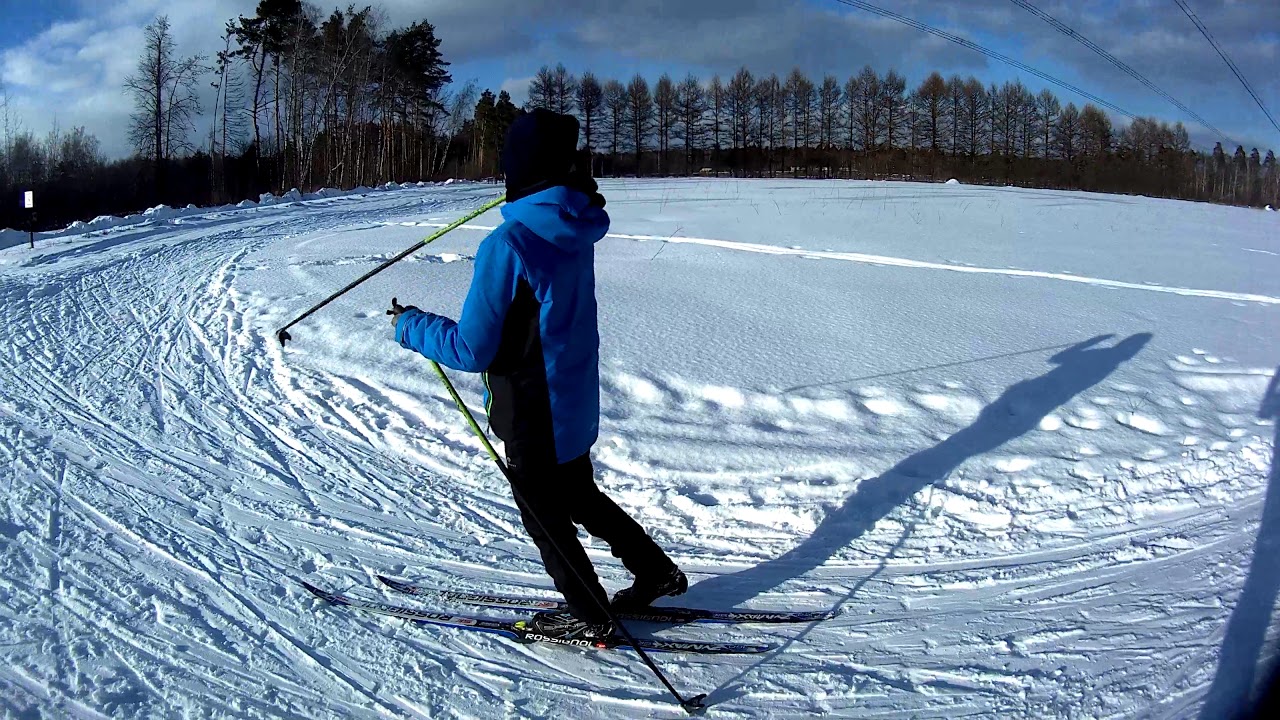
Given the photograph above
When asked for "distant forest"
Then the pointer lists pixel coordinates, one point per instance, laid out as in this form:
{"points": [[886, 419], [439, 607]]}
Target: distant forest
{"points": [[306, 100]]}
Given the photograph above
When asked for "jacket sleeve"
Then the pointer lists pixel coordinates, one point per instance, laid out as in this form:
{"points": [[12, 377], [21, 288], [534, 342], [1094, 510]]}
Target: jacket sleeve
{"points": [[470, 344]]}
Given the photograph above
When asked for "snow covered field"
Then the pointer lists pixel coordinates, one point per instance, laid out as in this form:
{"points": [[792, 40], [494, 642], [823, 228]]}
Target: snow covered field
{"points": [[1024, 439]]}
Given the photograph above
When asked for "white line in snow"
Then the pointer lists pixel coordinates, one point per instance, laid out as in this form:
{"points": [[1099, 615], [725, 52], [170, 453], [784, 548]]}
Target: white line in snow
{"points": [[922, 264]]}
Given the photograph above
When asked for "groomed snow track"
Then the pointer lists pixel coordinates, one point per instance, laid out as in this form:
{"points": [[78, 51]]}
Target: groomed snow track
{"points": [[1019, 520]]}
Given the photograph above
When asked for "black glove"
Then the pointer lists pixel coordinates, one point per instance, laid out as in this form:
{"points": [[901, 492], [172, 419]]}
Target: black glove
{"points": [[396, 310]]}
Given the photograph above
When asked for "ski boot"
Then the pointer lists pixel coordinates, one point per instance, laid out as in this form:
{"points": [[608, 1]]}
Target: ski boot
{"points": [[644, 591]]}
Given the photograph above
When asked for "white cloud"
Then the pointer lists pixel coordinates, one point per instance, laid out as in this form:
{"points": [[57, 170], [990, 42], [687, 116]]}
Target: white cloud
{"points": [[518, 88], [73, 73]]}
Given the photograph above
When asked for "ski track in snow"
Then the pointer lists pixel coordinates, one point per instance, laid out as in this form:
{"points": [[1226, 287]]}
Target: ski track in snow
{"points": [[917, 264], [1052, 532]]}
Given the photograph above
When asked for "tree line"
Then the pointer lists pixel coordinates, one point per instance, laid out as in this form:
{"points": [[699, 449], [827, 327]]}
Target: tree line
{"points": [[305, 99], [875, 126], [300, 99]]}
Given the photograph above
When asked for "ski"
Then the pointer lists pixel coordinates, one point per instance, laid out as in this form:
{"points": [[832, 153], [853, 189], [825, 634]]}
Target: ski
{"points": [[517, 631], [650, 614]]}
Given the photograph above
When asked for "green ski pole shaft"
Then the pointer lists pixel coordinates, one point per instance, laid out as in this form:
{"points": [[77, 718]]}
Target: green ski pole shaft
{"points": [[283, 335], [471, 420]]}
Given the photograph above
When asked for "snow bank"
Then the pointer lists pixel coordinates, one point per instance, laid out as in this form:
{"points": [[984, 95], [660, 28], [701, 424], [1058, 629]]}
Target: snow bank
{"points": [[105, 221], [323, 193], [10, 238], [952, 181], [159, 212]]}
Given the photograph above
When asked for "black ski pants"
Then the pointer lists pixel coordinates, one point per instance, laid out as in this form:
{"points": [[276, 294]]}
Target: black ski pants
{"points": [[552, 498]]}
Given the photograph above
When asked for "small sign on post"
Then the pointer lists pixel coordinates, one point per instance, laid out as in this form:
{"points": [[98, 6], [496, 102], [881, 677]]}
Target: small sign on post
{"points": [[29, 202]]}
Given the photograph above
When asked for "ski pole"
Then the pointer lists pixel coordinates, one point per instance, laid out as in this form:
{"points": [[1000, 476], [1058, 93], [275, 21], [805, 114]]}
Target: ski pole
{"points": [[283, 335], [691, 705]]}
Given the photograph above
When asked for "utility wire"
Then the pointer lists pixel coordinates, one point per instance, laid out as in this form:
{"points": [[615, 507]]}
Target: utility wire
{"points": [[1071, 33], [1239, 76], [964, 42]]}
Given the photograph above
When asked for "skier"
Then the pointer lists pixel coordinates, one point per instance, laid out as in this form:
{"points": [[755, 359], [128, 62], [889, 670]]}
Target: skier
{"points": [[529, 324]]}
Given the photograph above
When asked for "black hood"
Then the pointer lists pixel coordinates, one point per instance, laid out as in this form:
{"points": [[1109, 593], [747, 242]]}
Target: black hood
{"points": [[541, 152]]}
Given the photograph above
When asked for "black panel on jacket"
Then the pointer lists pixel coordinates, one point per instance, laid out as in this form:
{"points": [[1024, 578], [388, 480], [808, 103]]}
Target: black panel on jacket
{"points": [[519, 400]]}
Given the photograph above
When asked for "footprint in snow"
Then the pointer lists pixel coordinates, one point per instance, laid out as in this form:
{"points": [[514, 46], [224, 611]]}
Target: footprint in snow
{"points": [[1084, 422], [1142, 423], [1014, 464], [883, 407]]}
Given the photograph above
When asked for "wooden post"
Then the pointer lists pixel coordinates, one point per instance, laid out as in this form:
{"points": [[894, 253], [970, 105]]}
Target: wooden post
{"points": [[29, 202]]}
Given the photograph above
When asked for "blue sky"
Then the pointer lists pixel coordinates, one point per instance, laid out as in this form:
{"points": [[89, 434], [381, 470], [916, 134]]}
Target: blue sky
{"points": [[65, 60]]}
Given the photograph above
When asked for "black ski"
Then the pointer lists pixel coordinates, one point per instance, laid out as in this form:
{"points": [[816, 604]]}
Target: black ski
{"points": [[517, 631], [650, 614]]}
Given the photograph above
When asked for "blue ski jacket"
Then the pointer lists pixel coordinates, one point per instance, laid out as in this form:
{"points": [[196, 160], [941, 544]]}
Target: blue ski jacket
{"points": [[529, 323]]}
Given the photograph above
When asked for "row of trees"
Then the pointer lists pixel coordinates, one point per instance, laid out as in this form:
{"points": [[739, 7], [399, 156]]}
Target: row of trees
{"points": [[328, 100], [304, 99], [300, 99], [872, 125]]}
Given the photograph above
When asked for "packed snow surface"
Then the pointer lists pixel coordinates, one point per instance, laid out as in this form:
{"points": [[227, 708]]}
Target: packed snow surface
{"points": [[1023, 439]]}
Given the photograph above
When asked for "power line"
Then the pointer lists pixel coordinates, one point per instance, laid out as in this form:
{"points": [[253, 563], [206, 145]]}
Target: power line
{"points": [[1239, 76], [964, 42], [1069, 32]]}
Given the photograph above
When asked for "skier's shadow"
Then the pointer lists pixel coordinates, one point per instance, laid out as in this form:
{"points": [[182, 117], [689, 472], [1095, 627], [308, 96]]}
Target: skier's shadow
{"points": [[1017, 411], [1231, 692]]}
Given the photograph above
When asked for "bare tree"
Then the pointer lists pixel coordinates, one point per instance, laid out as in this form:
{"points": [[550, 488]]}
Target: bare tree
{"points": [[1048, 107], [691, 99], [974, 113], [829, 97], [740, 100], [1066, 133], [852, 88], [78, 153], [892, 90], [932, 94], [542, 89], [870, 107], [716, 101], [954, 103], [799, 93], [1096, 133], [9, 129], [227, 104], [915, 120], [615, 101], [564, 86], [589, 97], [664, 98], [164, 94], [640, 107], [1027, 124], [459, 105], [771, 107]]}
